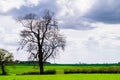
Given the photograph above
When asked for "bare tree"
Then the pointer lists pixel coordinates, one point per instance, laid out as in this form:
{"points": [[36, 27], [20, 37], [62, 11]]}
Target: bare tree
{"points": [[41, 37], [5, 57]]}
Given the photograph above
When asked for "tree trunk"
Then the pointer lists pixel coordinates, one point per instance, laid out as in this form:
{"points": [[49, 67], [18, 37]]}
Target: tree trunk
{"points": [[41, 66], [3, 69], [40, 56]]}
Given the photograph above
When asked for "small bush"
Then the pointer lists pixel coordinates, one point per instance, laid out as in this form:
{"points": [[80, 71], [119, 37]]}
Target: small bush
{"points": [[37, 73], [50, 72], [71, 71], [30, 73]]}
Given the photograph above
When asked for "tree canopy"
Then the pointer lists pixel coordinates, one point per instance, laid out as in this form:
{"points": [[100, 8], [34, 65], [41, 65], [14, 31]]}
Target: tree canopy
{"points": [[5, 57]]}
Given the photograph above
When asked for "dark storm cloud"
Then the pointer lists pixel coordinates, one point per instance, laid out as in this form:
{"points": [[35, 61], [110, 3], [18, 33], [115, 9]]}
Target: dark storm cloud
{"points": [[25, 9], [107, 11], [78, 25], [68, 21]]}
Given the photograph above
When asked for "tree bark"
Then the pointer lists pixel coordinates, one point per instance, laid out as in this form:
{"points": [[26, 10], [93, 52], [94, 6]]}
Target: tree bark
{"points": [[41, 68], [40, 56], [41, 64]]}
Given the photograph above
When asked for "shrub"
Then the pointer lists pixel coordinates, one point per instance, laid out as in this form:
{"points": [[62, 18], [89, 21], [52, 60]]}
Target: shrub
{"points": [[71, 71], [30, 73], [112, 69], [50, 72], [36, 73]]}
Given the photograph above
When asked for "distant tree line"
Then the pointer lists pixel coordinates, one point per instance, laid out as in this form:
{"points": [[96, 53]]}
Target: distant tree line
{"points": [[29, 62]]}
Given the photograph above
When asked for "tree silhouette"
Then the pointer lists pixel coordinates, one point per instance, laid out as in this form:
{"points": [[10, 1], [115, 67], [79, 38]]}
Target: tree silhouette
{"points": [[41, 37]]}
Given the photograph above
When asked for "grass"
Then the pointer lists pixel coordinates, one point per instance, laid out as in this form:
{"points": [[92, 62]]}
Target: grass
{"points": [[65, 77], [19, 69]]}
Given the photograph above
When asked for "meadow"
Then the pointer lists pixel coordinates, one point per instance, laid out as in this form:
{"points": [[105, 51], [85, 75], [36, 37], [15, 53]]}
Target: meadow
{"points": [[15, 71], [60, 68], [64, 77]]}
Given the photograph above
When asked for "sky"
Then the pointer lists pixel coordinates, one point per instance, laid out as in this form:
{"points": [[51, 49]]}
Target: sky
{"points": [[91, 28]]}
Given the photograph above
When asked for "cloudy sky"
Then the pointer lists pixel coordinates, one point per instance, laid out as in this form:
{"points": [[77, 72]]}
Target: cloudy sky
{"points": [[91, 27]]}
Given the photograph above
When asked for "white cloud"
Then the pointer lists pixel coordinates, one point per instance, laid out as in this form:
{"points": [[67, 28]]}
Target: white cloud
{"points": [[6, 5], [33, 2], [99, 45], [9, 33], [70, 7], [70, 13]]}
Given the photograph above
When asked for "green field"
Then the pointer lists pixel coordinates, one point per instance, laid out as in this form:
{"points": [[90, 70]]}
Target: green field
{"points": [[64, 77], [18, 69]]}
